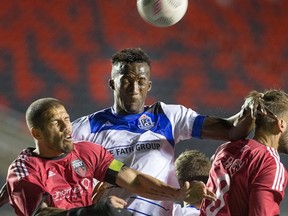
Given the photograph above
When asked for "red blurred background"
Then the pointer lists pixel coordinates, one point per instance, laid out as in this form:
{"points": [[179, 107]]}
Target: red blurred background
{"points": [[208, 61], [213, 57]]}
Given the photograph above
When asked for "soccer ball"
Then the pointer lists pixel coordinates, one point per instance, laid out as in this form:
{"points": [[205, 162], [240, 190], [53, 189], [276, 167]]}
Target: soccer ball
{"points": [[162, 13]]}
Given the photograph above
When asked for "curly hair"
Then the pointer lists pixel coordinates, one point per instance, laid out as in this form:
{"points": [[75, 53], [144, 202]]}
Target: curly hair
{"points": [[131, 55]]}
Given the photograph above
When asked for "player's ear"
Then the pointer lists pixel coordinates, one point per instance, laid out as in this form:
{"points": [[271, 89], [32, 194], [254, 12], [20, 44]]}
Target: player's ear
{"points": [[282, 125], [111, 84], [150, 85], [36, 133]]}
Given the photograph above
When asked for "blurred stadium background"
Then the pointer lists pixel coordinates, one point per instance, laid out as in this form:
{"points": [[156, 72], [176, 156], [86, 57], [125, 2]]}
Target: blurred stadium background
{"points": [[208, 61]]}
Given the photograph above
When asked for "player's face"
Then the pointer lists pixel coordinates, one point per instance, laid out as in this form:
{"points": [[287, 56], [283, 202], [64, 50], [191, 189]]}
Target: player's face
{"points": [[56, 134], [131, 85]]}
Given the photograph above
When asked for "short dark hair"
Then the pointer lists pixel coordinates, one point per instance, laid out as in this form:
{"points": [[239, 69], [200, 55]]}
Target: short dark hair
{"points": [[192, 165], [131, 55], [34, 113]]}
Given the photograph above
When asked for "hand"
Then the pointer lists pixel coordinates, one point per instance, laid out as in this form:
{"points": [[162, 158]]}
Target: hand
{"points": [[254, 105], [99, 190], [197, 191], [116, 202]]}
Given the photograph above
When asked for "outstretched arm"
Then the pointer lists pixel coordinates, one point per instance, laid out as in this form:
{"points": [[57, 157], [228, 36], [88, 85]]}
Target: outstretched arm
{"points": [[235, 127], [152, 188]]}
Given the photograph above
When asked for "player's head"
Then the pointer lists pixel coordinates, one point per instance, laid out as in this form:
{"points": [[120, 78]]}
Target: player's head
{"points": [[50, 125], [192, 165], [130, 80], [276, 120]]}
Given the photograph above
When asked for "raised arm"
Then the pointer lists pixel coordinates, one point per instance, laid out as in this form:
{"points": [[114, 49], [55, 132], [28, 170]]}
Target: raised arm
{"points": [[235, 127]]}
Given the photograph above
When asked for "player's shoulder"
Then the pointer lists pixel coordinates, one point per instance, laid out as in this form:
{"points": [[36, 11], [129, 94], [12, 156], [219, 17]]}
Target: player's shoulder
{"points": [[232, 146], [24, 165], [82, 144], [239, 148], [25, 156], [85, 146], [168, 107], [259, 148], [89, 151], [260, 153]]}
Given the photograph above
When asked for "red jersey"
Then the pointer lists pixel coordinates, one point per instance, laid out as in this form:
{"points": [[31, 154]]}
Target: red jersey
{"points": [[247, 178], [68, 178]]}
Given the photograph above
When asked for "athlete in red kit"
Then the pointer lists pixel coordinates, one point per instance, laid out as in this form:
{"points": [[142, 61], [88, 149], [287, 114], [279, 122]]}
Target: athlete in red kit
{"points": [[247, 175]]}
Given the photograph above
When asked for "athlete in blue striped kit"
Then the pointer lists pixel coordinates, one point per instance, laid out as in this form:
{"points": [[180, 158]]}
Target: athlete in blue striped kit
{"points": [[144, 136]]}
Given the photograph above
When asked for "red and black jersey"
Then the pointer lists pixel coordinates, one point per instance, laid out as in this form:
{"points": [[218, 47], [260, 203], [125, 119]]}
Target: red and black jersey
{"points": [[68, 179]]}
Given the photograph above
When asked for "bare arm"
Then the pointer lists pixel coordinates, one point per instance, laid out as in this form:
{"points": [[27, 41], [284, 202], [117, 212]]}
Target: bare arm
{"points": [[225, 129], [152, 188], [235, 127]]}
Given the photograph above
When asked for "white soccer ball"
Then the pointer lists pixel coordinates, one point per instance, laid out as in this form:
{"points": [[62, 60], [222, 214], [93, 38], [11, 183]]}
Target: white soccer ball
{"points": [[162, 13]]}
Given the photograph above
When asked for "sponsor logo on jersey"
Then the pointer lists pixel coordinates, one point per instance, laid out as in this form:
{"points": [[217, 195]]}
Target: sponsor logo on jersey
{"points": [[145, 122], [67, 193], [79, 167], [140, 146]]}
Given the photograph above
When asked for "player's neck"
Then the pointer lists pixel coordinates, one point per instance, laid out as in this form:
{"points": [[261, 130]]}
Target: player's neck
{"points": [[46, 154], [267, 140]]}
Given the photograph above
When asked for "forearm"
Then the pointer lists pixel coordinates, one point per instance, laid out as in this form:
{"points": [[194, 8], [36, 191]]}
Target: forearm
{"points": [[233, 128], [147, 186], [152, 188], [243, 124]]}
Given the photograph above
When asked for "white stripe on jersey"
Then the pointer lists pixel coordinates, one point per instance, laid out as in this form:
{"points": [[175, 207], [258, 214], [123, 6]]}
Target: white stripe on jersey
{"points": [[282, 178], [19, 167], [279, 175]]}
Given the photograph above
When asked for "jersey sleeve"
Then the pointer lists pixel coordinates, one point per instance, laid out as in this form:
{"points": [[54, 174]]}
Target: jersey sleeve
{"points": [[98, 157], [264, 202], [267, 189], [81, 129], [107, 167], [112, 171], [21, 191], [182, 120]]}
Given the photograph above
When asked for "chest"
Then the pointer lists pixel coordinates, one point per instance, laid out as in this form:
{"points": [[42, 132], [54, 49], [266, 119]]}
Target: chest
{"points": [[67, 182]]}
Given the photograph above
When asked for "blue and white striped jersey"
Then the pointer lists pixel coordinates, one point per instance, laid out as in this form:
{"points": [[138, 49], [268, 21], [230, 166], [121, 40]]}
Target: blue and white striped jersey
{"points": [[143, 141]]}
